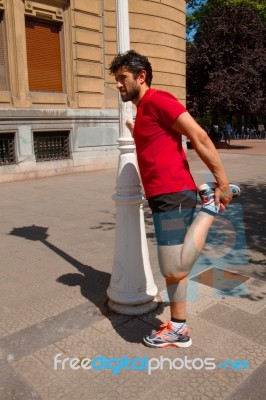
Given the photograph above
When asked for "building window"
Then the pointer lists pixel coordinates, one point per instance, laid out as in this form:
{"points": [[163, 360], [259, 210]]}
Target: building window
{"points": [[3, 56], [44, 55], [50, 146], [7, 149]]}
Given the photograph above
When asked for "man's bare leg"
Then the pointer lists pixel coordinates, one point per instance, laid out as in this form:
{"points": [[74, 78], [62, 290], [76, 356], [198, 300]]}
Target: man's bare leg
{"points": [[176, 262]]}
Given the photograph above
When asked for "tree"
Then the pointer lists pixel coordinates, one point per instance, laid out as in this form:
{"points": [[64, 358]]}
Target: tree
{"points": [[198, 9], [226, 63]]}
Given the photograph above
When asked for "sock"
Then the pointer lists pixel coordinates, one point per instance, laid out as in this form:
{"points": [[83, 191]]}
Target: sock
{"points": [[179, 324], [206, 194]]}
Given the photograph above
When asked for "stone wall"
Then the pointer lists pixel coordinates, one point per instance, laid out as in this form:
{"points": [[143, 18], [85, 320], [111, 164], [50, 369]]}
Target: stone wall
{"points": [[88, 106]]}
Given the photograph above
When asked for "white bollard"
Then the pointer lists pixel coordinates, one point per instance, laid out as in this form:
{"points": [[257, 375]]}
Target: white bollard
{"points": [[132, 289]]}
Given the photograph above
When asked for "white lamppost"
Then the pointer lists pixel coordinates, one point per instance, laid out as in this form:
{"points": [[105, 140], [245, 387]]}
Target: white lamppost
{"points": [[132, 289]]}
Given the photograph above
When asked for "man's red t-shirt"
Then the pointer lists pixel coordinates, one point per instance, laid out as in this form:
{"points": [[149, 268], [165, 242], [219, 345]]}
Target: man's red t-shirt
{"points": [[162, 161]]}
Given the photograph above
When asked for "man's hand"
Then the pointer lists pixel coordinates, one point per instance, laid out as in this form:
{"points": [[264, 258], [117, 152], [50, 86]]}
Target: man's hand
{"points": [[130, 125], [223, 194]]}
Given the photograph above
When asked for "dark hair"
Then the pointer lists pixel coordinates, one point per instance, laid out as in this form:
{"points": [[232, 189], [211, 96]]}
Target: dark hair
{"points": [[134, 62]]}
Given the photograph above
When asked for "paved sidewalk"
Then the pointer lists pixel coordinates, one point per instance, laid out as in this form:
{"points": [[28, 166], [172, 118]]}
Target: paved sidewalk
{"points": [[56, 253]]}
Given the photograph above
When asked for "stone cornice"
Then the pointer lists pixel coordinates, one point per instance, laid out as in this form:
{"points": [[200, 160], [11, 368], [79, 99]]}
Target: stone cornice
{"points": [[53, 3]]}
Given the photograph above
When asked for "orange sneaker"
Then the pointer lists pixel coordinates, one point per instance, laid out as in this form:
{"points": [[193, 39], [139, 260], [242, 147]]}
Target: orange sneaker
{"points": [[168, 336]]}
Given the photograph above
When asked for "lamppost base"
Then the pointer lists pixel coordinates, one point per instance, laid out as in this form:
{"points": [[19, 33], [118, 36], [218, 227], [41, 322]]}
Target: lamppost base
{"points": [[127, 309]]}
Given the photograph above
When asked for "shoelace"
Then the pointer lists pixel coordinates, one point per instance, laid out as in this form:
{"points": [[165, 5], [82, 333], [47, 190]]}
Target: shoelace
{"points": [[164, 327], [168, 326]]}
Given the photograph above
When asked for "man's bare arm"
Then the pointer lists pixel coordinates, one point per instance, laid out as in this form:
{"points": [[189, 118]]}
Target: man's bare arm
{"points": [[206, 150]]}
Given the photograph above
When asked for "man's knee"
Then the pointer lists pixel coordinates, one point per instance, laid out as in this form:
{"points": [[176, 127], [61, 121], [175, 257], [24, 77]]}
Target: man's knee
{"points": [[176, 278]]}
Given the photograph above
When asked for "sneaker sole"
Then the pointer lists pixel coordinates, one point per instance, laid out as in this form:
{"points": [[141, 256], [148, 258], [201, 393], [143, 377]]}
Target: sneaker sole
{"points": [[174, 344]]}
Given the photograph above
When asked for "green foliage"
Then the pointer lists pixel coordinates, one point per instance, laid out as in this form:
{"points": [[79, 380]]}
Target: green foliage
{"points": [[226, 62], [199, 9]]}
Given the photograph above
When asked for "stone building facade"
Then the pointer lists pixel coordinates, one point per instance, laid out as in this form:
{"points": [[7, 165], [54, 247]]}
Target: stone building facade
{"points": [[58, 103]]}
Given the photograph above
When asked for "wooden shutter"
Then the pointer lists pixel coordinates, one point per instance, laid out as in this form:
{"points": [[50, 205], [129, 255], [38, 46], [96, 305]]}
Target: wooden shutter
{"points": [[3, 75], [44, 56]]}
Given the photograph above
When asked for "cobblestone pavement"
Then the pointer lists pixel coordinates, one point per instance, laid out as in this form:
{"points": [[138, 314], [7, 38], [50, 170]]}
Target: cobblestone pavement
{"points": [[56, 254]]}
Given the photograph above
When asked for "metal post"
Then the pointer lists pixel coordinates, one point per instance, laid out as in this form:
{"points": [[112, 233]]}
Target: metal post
{"points": [[132, 289]]}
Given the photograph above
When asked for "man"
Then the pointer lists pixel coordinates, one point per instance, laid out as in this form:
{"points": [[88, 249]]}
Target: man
{"points": [[227, 133], [169, 187]]}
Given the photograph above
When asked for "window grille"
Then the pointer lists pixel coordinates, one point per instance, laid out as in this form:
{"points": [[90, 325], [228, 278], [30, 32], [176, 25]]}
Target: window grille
{"points": [[50, 146], [7, 149]]}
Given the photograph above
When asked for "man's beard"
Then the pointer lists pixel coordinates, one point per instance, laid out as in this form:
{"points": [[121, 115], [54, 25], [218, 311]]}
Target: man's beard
{"points": [[130, 95]]}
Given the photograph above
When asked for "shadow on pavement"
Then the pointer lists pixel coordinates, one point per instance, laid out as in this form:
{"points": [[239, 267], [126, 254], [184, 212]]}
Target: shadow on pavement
{"points": [[237, 243], [223, 145], [93, 283], [253, 200]]}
